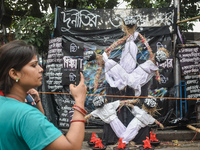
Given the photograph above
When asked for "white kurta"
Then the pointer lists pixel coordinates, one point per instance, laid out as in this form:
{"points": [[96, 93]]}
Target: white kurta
{"points": [[129, 54], [117, 77], [107, 113], [141, 119], [123, 74]]}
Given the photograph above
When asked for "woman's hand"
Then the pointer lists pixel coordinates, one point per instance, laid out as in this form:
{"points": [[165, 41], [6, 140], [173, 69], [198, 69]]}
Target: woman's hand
{"points": [[79, 92], [34, 93]]}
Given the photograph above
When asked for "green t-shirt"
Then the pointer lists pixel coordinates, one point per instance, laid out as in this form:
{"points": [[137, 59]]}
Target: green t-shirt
{"points": [[24, 127]]}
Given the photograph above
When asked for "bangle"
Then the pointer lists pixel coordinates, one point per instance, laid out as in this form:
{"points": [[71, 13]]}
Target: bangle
{"points": [[37, 101], [77, 121], [81, 110], [158, 123]]}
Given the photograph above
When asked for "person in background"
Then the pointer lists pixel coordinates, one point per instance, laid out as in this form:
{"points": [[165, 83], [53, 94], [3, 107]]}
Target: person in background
{"points": [[23, 126]]}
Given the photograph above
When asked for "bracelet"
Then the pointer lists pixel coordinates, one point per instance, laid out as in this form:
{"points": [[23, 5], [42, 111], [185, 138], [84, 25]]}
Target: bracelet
{"points": [[37, 101], [159, 123], [81, 110], [77, 121]]}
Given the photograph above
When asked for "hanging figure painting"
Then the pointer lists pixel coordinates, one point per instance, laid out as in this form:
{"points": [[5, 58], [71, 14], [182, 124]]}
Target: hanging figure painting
{"points": [[142, 116], [108, 114], [128, 72]]}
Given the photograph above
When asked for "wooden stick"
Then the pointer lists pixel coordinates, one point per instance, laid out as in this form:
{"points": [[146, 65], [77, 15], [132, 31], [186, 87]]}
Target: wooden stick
{"points": [[194, 18], [193, 128]]}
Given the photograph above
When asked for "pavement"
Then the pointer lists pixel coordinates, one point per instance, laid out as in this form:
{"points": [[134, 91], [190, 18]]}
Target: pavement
{"points": [[181, 145], [169, 140]]}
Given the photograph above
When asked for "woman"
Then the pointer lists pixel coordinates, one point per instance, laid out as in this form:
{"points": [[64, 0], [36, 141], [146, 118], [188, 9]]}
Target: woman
{"points": [[23, 126]]}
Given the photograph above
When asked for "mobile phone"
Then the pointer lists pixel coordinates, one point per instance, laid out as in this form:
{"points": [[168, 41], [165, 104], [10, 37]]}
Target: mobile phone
{"points": [[30, 100], [78, 71]]}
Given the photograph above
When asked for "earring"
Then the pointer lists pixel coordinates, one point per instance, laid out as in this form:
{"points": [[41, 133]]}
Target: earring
{"points": [[17, 79]]}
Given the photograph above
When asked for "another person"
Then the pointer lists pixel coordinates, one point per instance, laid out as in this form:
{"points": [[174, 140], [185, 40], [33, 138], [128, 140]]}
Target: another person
{"points": [[23, 126]]}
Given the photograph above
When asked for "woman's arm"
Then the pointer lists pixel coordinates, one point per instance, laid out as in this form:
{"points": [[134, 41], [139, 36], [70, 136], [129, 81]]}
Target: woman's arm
{"points": [[74, 138]]}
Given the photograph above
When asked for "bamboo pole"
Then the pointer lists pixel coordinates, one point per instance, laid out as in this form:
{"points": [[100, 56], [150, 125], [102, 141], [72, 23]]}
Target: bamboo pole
{"points": [[191, 19], [193, 128]]}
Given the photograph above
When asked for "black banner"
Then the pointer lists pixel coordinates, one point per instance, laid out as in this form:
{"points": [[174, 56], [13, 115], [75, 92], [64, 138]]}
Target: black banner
{"points": [[72, 48], [82, 30], [69, 20], [61, 70]]}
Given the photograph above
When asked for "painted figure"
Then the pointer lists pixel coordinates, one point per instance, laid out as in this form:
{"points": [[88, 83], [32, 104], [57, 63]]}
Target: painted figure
{"points": [[143, 117], [125, 73], [108, 114]]}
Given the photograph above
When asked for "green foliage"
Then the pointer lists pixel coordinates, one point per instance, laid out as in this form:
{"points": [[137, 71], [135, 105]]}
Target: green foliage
{"points": [[107, 4], [30, 21], [188, 10], [35, 31], [140, 3], [162, 3]]}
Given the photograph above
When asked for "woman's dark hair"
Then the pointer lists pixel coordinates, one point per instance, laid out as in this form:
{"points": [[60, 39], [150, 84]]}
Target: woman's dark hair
{"points": [[15, 54]]}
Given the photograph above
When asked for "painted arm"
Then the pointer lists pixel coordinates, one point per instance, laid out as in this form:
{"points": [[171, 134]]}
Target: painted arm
{"points": [[100, 63], [88, 116], [130, 101], [160, 124], [115, 44], [151, 54]]}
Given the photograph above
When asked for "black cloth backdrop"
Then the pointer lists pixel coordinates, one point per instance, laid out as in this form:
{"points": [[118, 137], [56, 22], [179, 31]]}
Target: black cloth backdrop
{"points": [[96, 30]]}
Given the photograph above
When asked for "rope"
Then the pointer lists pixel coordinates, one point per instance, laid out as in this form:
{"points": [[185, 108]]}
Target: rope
{"points": [[172, 98]]}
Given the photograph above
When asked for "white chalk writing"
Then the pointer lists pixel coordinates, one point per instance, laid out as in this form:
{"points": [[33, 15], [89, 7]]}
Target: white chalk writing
{"points": [[54, 64], [78, 19], [192, 86]]}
